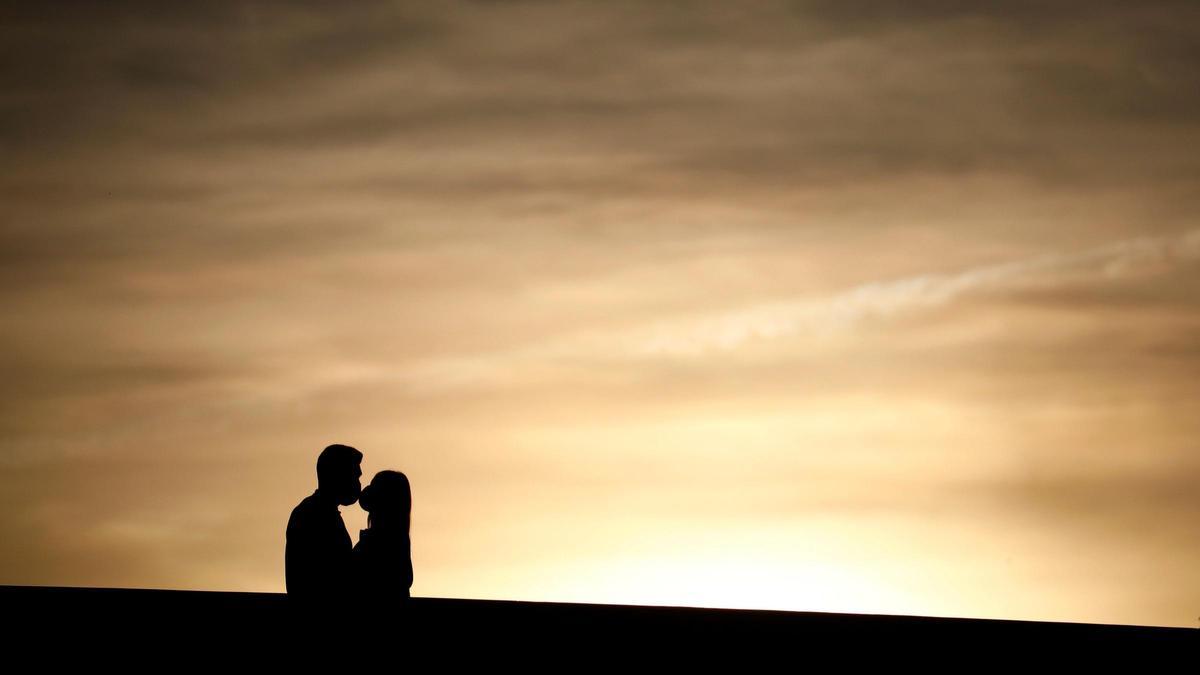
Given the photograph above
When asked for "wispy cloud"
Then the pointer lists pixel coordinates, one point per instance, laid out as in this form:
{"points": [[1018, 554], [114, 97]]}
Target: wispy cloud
{"points": [[725, 331], [730, 330]]}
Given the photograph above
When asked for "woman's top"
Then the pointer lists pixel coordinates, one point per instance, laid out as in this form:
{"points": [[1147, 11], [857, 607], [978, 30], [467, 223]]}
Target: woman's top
{"points": [[383, 563]]}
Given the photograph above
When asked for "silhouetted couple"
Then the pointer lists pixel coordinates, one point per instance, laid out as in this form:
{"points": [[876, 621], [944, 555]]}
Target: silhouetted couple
{"points": [[323, 570]]}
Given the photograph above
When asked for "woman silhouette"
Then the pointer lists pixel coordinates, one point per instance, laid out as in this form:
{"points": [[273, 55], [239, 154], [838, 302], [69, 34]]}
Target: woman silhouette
{"points": [[383, 555]]}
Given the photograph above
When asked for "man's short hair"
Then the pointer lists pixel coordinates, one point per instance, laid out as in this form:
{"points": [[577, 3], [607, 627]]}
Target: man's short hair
{"points": [[337, 458]]}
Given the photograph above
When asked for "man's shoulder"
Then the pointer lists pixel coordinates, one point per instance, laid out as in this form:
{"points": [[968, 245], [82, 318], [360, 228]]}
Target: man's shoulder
{"points": [[309, 503], [308, 509]]}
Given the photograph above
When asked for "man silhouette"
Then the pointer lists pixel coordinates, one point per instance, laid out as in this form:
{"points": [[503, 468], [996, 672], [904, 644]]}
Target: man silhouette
{"points": [[318, 554]]}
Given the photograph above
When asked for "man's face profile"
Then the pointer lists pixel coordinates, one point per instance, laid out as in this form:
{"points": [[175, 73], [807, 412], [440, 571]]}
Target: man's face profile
{"points": [[349, 485]]}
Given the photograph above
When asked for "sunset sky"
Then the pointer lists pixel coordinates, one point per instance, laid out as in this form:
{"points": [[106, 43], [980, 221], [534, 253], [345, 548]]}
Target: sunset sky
{"points": [[887, 307]]}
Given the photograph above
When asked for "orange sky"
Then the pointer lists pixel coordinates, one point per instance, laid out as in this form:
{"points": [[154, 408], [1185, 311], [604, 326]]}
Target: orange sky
{"points": [[888, 309]]}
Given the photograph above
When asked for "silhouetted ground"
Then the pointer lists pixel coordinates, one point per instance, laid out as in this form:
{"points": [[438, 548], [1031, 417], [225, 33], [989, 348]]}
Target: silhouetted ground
{"points": [[75, 626]]}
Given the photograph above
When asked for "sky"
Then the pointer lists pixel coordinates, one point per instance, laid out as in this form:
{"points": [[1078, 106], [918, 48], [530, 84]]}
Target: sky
{"points": [[856, 307]]}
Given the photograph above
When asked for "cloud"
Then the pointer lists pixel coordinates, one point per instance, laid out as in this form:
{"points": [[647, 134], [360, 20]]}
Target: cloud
{"points": [[841, 311], [883, 299], [512, 244]]}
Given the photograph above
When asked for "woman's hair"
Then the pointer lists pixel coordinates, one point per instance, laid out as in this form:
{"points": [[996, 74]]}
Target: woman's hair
{"points": [[388, 499]]}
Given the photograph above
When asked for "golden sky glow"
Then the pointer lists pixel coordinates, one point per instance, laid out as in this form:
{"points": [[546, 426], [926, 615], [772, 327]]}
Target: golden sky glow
{"points": [[872, 307]]}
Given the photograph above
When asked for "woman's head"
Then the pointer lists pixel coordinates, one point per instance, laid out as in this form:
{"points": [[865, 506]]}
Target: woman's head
{"points": [[387, 500]]}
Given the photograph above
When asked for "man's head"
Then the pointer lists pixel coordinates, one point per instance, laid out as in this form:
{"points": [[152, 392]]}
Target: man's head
{"points": [[338, 471]]}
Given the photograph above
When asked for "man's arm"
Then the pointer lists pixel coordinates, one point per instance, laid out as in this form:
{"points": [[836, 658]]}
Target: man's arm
{"points": [[298, 556]]}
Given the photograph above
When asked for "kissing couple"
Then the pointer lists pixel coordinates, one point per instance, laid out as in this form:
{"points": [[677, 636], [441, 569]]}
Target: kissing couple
{"points": [[323, 570]]}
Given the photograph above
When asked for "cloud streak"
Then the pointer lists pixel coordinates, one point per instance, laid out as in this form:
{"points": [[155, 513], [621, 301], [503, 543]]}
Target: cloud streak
{"points": [[731, 330], [821, 317]]}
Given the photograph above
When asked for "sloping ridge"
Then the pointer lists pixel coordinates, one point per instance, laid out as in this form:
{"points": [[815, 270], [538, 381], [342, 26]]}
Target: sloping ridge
{"points": [[104, 618]]}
